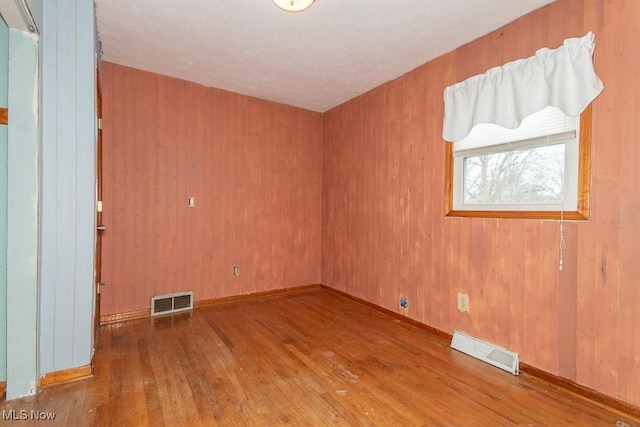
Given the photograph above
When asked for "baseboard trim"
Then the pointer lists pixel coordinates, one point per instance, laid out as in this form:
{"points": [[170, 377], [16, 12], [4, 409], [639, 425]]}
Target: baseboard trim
{"points": [[593, 395], [146, 312], [128, 315], [255, 295], [65, 376], [416, 324], [3, 390], [566, 384]]}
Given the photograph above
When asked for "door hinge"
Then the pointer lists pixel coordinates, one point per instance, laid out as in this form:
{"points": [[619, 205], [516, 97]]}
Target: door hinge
{"points": [[99, 206], [99, 123]]}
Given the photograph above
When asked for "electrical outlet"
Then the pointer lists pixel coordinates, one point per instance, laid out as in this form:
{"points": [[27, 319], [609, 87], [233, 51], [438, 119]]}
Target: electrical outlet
{"points": [[463, 302], [404, 302], [236, 270]]}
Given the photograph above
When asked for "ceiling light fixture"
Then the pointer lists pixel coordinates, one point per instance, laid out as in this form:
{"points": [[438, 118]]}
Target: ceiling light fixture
{"points": [[293, 5]]}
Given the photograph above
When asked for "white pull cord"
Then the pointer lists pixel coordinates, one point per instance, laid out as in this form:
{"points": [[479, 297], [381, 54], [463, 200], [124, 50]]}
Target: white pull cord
{"points": [[562, 243]]}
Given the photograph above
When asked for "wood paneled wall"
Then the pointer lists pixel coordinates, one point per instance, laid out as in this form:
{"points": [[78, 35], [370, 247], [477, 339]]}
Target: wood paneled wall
{"points": [[385, 235], [254, 167]]}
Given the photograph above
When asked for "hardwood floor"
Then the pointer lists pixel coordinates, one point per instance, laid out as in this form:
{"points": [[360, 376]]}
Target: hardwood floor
{"points": [[308, 358]]}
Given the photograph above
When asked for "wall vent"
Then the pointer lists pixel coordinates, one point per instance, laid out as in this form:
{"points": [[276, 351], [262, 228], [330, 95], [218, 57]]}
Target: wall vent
{"points": [[171, 303], [487, 352]]}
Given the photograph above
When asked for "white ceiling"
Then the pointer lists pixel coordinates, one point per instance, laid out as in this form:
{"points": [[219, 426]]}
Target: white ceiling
{"points": [[315, 59]]}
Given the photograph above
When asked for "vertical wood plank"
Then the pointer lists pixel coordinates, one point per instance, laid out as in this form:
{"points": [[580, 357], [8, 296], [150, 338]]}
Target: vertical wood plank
{"points": [[549, 260], [568, 303], [605, 284], [629, 294]]}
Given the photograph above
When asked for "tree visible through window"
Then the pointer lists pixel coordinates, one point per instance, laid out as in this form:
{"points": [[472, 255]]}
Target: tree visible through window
{"points": [[529, 176]]}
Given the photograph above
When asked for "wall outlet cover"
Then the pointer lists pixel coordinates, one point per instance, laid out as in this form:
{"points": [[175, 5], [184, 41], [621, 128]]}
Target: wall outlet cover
{"points": [[463, 302]]}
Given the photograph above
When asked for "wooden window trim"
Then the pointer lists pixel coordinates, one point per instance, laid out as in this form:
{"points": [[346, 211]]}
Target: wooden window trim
{"points": [[584, 181]]}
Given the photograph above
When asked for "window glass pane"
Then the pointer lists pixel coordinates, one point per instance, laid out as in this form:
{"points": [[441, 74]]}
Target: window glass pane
{"points": [[527, 176]]}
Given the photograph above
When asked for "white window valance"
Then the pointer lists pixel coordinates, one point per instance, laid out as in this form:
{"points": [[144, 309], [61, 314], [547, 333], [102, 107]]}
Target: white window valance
{"points": [[505, 95]]}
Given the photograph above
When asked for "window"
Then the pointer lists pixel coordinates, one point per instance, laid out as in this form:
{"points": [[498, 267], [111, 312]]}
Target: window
{"points": [[510, 152], [539, 170]]}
